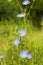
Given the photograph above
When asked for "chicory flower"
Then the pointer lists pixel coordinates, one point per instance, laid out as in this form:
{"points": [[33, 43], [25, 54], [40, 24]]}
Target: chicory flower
{"points": [[21, 15], [26, 2], [22, 32], [23, 54], [17, 42]]}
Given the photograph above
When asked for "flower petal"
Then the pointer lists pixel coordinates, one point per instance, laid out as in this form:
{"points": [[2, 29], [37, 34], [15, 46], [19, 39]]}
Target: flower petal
{"points": [[29, 56], [26, 2], [17, 41], [21, 15], [23, 54], [22, 32]]}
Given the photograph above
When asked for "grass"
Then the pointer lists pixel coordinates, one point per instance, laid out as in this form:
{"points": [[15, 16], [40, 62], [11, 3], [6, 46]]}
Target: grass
{"points": [[32, 42]]}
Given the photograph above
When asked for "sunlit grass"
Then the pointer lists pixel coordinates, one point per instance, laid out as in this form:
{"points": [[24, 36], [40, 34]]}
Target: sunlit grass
{"points": [[32, 42]]}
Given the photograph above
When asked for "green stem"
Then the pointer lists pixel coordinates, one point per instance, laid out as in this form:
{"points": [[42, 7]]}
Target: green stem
{"points": [[31, 7], [19, 6], [25, 17]]}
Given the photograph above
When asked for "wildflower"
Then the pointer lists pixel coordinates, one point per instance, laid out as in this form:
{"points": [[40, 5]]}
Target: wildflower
{"points": [[22, 32], [17, 42], [23, 54], [1, 56], [26, 2], [29, 56], [21, 15]]}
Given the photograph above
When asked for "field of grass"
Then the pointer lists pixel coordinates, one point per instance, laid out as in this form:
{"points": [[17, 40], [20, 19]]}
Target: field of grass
{"points": [[32, 42]]}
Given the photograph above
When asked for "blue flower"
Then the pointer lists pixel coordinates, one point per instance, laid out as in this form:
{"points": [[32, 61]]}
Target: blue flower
{"points": [[23, 54], [26, 2], [22, 32], [1, 56], [21, 15], [17, 41], [29, 56]]}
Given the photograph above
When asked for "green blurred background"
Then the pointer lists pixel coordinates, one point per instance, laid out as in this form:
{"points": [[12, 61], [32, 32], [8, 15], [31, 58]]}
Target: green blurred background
{"points": [[9, 26]]}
